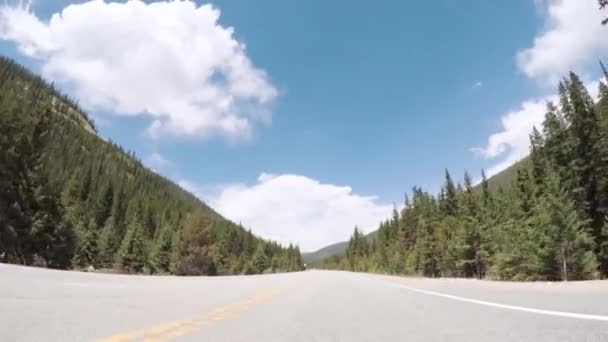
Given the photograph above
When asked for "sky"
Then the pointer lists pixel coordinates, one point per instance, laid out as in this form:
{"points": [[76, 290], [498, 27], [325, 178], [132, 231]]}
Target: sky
{"points": [[302, 120]]}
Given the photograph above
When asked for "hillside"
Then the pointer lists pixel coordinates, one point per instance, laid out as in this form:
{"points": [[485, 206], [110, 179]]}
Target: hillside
{"points": [[70, 199], [505, 177], [325, 252]]}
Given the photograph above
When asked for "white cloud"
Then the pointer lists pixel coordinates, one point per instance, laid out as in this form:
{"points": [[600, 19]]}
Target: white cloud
{"points": [[478, 84], [293, 208], [512, 143], [573, 37], [156, 161], [170, 60]]}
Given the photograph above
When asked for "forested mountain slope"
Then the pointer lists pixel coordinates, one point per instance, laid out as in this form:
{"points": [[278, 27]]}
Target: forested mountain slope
{"points": [[69, 199], [545, 219]]}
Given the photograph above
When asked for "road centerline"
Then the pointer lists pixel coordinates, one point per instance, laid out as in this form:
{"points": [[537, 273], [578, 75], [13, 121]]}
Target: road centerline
{"points": [[167, 331]]}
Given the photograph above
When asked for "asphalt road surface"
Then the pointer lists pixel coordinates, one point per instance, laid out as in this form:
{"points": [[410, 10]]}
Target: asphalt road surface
{"points": [[45, 305]]}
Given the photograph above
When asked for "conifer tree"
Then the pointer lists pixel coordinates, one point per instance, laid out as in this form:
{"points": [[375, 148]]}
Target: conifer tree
{"points": [[450, 206], [87, 248], [486, 195], [104, 205], [164, 250], [525, 191], [260, 260], [568, 249], [132, 253], [538, 161], [193, 249]]}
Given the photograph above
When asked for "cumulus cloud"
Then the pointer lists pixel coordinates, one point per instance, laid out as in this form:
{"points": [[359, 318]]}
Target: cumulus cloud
{"points": [[572, 37], [293, 208], [512, 143], [170, 60]]}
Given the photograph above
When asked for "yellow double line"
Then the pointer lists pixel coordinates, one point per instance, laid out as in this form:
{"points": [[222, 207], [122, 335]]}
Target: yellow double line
{"points": [[167, 331]]}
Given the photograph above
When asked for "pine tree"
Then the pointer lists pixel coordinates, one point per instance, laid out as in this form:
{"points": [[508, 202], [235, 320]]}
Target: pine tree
{"points": [[427, 246], [569, 246], [132, 252], [71, 194], [584, 128], [474, 259], [104, 205], [193, 250], [538, 160], [525, 191], [450, 205], [602, 104], [519, 256], [13, 218], [52, 240], [114, 230], [486, 195], [260, 260], [381, 246], [426, 249], [164, 250], [558, 146], [149, 223], [87, 250], [450, 236], [85, 187], [470, 203], [589, 161], [357, 251]]}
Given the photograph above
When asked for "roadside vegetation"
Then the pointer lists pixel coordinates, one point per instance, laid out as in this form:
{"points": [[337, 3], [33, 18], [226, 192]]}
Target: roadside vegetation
{"points": [[546, 220]]}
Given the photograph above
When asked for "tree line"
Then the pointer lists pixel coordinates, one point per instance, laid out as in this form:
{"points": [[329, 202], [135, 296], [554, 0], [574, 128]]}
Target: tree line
{"points": [[69, 199], [551, 223]]}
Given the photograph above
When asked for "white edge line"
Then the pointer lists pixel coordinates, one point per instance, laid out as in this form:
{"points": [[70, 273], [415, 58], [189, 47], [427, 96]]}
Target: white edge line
{"points": [[503, 306]]}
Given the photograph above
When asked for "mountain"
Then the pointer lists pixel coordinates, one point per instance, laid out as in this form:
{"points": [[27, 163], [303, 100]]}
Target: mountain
{"points": [[501, 179], [505, 177], [71, 199], [337, 248], [325, 252]]}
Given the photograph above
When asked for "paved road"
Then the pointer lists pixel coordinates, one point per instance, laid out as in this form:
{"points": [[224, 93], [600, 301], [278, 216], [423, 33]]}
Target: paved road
{"points": [[45, 305]]}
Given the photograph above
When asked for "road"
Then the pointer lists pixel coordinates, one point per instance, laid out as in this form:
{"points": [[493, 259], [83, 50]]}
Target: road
{"points": [[46, 305]]}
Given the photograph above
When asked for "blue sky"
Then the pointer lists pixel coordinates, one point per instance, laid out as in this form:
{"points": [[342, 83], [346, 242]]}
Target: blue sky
{"points": [[336, 109]]}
